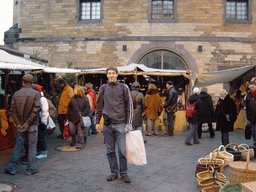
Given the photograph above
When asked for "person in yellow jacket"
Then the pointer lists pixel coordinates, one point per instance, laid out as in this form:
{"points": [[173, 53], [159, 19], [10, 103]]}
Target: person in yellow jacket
{"points": [[65, 97]]}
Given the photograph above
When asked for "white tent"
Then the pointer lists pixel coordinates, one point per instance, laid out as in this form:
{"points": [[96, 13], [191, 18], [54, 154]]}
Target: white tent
{"points": [[12, 62], [139, 69]]}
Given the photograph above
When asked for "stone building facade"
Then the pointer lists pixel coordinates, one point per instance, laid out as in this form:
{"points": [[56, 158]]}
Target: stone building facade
{"points": [[204, 35]]}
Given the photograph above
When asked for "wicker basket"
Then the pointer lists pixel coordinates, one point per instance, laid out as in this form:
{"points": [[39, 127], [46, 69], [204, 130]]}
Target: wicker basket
{"points": [[228, 156], [210, 182], [204, 167], [215, 188], [234, 151], [212, 158], [209, 173], [244, 148], [240, 171]]}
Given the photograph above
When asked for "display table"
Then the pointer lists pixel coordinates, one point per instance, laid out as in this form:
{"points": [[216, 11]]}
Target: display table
{"points": [[249, 186], [180, 120]]}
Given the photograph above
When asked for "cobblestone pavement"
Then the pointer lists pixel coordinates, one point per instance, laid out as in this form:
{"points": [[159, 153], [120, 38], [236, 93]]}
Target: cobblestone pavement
{"points": [[171, 166]]}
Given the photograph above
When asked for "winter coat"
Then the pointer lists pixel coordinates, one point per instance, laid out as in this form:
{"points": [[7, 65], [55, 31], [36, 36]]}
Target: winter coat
{"points": [[170, 103], [207, 113], [77, 105], [198, 107], [137, 116], [251, 107], [25, 107], [226, 106], [66, 94], [115, 101], [153, 103]]}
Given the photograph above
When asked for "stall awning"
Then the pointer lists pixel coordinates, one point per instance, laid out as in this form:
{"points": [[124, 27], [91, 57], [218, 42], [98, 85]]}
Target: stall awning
{"points": [[224, 76], [60, 70], [12, 62], [139, 69]]}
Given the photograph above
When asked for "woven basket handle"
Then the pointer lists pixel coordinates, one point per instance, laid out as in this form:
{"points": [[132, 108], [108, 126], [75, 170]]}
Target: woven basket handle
{"points": [[244, 146], [221, 146], [235, 146], [248, 160]]}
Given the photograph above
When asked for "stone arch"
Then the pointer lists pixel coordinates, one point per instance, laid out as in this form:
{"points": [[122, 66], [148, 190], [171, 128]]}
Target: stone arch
{"points": [[170, 46]]}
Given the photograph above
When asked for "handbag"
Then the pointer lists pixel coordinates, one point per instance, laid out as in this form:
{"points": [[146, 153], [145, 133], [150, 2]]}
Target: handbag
{"points": [[85, 121], [248, 131], [135, 148], [66, 131]]}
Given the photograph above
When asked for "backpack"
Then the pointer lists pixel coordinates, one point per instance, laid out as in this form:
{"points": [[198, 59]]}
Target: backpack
{"points": [[191, 109]]}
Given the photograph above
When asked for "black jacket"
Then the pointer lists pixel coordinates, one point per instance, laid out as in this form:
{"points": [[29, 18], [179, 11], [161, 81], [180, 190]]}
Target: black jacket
{"points": [[251, 107], [198, 107], [207, 113], [170, 103], [77, 105], [226, 106], [115, 101]]}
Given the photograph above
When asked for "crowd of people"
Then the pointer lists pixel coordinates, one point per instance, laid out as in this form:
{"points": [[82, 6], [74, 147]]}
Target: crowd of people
{"points": [[122, 109]]}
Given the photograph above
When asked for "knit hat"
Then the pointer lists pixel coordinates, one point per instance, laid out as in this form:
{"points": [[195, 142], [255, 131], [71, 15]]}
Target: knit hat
{"points": [[39, 87]]}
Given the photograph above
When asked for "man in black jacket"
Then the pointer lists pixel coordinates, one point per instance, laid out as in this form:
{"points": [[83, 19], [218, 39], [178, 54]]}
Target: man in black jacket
{"points": [[251, 108], [170, 106], [207, 114], [114, 103]]}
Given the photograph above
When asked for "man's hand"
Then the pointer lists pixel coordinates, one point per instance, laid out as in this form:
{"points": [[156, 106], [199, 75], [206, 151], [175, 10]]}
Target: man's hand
{"points": [[24, 127], [128, 128], [98, 128]]}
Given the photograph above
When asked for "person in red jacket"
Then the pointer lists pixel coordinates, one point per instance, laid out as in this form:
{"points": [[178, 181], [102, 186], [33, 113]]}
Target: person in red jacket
{"points": [[92, 93]]}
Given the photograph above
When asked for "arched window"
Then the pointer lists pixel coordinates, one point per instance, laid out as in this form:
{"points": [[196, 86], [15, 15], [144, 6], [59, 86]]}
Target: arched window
{"points": [[163, 60]]}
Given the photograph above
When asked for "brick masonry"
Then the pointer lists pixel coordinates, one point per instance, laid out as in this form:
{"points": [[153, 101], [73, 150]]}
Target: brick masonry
{"points": [[58, 36]]}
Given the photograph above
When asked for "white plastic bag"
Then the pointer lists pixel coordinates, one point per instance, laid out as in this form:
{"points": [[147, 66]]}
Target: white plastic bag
{"points": [[135, 148], [51, 124]]}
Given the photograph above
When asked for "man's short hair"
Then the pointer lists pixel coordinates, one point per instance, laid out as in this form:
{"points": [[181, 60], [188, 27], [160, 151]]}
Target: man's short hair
{"points": [[169, 82], [112, 68]]}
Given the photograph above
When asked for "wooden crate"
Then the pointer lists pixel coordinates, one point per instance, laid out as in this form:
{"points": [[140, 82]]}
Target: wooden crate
{"points": [[249, 186]]}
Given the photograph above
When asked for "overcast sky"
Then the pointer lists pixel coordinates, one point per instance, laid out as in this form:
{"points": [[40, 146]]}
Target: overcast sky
{"points": [[6, 17]]}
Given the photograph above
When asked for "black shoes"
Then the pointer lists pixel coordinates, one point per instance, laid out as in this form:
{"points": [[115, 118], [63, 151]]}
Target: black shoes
{"points": [[167, 135], [188, 144], [125, 179], [197, 142], [7, 171], [94, 133], [32, 172], [112, 177]]}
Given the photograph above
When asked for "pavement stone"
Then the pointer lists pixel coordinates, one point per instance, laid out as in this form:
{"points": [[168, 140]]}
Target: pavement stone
{"points": [[171, 166]]}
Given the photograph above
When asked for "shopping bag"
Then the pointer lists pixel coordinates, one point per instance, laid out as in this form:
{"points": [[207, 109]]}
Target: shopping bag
{"points": [[66, 131], [135, 148], [85, 121]]}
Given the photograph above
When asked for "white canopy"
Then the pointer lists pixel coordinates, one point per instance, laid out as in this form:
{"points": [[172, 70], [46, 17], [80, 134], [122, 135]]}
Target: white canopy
{"points": [[60, 70], [139, 69], [12, 62], [224, 76]]}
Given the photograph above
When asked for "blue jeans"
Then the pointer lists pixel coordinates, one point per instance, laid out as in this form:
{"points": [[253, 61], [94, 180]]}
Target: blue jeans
{"points": [[31, 139], [92, 127], [253, 126], [114, 134]]}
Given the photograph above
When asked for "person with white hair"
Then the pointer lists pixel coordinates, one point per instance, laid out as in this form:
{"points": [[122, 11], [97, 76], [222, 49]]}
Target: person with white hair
{"points": [[226, 115], [194, 119]]}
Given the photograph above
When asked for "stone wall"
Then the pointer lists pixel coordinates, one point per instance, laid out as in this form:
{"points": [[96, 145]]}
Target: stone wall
{"points": [[50, 27]]}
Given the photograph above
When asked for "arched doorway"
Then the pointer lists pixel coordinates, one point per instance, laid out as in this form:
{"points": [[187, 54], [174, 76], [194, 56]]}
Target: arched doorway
{"points": [[163, 59]]}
